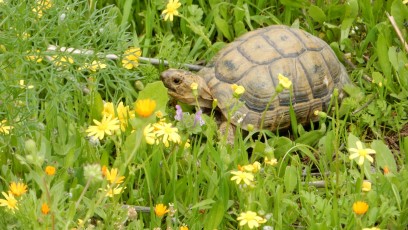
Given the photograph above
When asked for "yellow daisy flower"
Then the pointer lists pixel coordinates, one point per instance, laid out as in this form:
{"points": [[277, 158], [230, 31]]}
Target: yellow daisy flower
{"points": [[366, 187], [108, 109], [94, 66], [149, 134], [18, 189], [10, 202], [361, 153], [5, 128], [238, 90], [130, 58], [240, 176], [271, 161], [171, 10], [112, 191], [61, 61], [112, 176], [284, 81], [255, 167], [160, 210], [106, 126], [167, 133], [251, 219], [124, 114]]}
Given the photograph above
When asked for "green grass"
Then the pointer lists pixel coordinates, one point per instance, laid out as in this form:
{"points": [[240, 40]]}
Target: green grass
{"points": [[313, 185]]}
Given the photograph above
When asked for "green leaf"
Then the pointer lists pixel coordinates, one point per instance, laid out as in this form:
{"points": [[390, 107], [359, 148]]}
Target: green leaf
{"points": [[96, 106], [400, 12], [294, 3], [317, 14], [223, 26], [382, 52], [215, 216], [351, 141], [312, 137], [290, 178], [384, 156], [203, 204]]}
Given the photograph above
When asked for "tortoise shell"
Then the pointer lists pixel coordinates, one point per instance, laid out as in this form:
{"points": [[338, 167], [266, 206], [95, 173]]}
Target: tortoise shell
{"points": [[255, 60]]}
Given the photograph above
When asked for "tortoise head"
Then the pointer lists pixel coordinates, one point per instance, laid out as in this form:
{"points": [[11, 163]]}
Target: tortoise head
{"points": [[178, 82]]}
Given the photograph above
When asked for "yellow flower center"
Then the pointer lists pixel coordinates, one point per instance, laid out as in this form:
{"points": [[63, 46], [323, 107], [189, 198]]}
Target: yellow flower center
{"points": [[171, 8], [103, 126], [362, 152]]}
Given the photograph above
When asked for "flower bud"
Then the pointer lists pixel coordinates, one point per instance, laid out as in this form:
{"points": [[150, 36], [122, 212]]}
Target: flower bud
{"points": [[139, 85], [336, 92], [366, 187], [214, 104], [279, 88], [31, 146]]}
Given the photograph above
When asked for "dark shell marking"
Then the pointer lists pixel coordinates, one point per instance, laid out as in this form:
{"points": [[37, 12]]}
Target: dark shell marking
{"points": [[255, 59]]}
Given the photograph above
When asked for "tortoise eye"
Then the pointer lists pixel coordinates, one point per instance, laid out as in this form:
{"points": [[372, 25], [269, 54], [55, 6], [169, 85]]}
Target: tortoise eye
{"points": [[177, 81]]}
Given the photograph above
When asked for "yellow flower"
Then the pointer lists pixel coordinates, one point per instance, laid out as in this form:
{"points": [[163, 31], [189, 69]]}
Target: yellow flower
{"points": [[34, 57], [45, 209], [238, 90], [112, 191], [106, 126], [245, 177], [255, 167], [167, 133], [5, 128], [366, 187], [271, 161], [194, 86], [183, 227], [61, 61], [373, 228], [112, 176], [130, 58], [171, 9], [386, 170], [360, 207], [160, 210], [104, 170], [187, 144], [360, 152], [145, 107], [50, 170], [108, 109], [159, 114], [320, 114], [41, 6], [124, 114], [284, 81], [10, 202], [23, 85], [18, 189], [250, 218], [94, 66], [149, 134], [405, 2]]}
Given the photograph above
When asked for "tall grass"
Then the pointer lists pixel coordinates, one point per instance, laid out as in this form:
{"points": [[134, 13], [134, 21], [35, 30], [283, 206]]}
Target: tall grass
{"points": [[313, 185]]}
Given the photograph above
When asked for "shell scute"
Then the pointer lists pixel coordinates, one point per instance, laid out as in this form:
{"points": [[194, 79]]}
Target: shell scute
{"points": [[257, 58]]}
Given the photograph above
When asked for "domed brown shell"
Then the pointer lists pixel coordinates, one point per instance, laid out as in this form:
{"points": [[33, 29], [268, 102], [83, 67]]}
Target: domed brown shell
{"points": [[255, 60]]}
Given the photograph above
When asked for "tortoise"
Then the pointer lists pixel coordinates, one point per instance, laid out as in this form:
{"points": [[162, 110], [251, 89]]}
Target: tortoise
{"points": [[254, 61]]}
